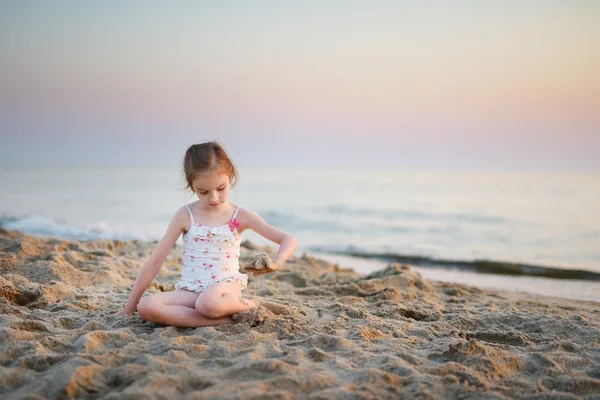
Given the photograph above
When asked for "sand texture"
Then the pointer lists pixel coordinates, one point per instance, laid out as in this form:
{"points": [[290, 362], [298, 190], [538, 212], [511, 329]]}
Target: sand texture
{"points": [[321, 332]]}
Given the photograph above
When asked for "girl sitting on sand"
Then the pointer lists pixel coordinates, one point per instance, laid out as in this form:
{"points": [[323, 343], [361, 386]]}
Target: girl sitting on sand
{"points": [[211, 285]]}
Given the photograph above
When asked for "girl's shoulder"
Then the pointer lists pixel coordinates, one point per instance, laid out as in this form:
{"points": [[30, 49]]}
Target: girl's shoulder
{"points": [[182, 218], [247, 217], [243, 212]]}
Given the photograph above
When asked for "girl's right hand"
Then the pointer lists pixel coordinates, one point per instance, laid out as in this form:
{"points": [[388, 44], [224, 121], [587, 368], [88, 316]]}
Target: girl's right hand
{"points": [[125, 313]]}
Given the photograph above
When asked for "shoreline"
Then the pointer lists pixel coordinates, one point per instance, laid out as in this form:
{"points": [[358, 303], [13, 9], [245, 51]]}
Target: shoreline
{"points": [[328, 332], [479, 265], [566, 289]]}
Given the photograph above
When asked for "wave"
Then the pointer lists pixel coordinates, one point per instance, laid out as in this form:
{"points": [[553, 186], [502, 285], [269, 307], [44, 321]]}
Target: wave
{"points": [[47, 227], [341, 209], [482, 266], [330, 224]]}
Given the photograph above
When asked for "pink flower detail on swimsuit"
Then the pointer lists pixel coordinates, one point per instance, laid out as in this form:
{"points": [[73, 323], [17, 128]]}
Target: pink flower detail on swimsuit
{"points": [[198, 281], [234, 223], [213, 277]]}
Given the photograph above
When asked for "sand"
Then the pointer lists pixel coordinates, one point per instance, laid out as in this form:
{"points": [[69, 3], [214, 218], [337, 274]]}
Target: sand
{"points": [[321, 332], [261, 264]]}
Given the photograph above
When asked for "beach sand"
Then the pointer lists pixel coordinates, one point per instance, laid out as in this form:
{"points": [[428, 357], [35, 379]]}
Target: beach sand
{"points": [[327, 333]]}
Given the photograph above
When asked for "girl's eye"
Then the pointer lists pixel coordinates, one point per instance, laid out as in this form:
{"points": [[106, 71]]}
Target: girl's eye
{"points": [[220, 189]]}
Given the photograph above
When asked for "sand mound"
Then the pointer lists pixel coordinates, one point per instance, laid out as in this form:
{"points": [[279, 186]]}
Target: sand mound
{"points": [[320, 331]]}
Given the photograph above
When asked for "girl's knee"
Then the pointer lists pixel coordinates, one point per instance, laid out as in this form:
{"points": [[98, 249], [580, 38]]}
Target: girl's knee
{"points": [[209, 307], [217, 305], [147, 308]]}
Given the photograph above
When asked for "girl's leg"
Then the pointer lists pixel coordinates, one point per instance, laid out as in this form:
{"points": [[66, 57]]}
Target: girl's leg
{"points": [[176, 309], [222, 299]]}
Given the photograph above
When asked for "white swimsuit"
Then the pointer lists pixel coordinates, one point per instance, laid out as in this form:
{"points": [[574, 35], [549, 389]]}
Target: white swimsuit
{"points": [[211, 255]]}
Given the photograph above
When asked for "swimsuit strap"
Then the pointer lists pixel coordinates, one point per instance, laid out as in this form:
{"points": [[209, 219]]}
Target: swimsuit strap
{"points": [[190, 212], [235, 212]]}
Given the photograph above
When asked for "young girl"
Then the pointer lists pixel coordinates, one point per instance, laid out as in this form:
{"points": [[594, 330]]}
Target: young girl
{"points": [[211, 285]]}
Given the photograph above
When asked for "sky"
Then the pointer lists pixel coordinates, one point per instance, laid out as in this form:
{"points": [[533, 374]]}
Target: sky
{"points": [[393, 84]]}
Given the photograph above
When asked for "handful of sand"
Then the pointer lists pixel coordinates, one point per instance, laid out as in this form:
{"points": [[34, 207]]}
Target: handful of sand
{"points": [[260, 265]]}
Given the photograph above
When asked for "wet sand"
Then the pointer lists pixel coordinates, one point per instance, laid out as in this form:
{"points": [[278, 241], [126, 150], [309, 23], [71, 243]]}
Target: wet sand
{"points": [[321, 332]]}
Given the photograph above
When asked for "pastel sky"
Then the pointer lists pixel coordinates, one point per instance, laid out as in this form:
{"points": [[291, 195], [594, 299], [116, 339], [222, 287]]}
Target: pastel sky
{"points": [[407, 84]]}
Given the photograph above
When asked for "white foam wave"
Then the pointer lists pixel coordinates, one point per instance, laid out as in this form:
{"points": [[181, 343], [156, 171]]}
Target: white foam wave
{"points": [[48, 227]]}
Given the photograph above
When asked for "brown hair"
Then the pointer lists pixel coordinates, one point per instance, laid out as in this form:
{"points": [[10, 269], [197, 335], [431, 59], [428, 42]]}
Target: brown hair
{"points": [[207, 157]]}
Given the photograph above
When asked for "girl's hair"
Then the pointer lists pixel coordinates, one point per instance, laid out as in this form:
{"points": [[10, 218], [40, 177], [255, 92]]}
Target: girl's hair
{"points": [[207, 157]]}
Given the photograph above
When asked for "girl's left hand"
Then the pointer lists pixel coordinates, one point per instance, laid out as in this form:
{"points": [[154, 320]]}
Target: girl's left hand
{"points": [[260, 265], [274, 267]]}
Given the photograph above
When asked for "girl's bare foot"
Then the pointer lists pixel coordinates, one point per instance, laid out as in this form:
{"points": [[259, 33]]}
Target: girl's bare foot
{"points": [[250, 303], [252, 317]]}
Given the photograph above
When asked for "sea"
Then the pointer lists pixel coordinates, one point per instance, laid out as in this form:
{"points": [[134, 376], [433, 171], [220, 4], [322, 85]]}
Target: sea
{"points": [[536, 232]]}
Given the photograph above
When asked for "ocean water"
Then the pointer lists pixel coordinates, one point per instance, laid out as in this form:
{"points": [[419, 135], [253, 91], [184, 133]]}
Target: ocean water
{"points": [[448, 222]]}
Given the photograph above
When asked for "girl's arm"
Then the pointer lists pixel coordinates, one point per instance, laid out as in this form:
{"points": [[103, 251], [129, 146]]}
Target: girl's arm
{"points": [[287, 243], [153, 264]]}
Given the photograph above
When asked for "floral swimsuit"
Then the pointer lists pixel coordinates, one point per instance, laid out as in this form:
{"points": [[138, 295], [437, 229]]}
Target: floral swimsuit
{"points": [[211, 255]]}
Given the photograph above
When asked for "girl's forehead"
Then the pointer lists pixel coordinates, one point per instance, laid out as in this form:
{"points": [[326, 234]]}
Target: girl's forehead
{"points": [[209, 180]]}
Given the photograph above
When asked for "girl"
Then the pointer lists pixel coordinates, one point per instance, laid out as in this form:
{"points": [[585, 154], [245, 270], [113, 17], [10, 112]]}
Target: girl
{"points": [[211, 285]]}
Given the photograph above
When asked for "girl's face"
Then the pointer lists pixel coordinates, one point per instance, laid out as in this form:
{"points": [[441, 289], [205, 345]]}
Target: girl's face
{"points": [[212, 190]]}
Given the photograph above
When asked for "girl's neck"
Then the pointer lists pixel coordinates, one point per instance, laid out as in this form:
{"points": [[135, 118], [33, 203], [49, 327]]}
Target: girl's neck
{"points": [[206, 216]]}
